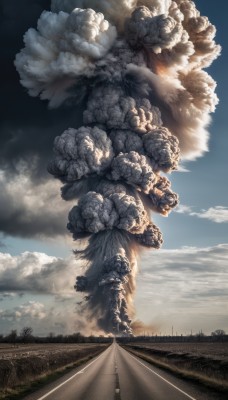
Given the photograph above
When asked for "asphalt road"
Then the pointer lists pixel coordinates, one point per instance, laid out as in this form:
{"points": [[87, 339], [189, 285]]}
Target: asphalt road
{"points": [[118, 375]]}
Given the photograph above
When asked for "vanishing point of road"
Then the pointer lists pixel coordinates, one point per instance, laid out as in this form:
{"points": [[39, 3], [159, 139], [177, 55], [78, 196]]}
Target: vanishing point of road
{"points": [[118, 375]]}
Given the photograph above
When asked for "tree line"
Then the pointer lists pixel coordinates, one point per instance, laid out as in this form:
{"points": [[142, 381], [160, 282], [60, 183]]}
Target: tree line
{"points": [[26, 336]]}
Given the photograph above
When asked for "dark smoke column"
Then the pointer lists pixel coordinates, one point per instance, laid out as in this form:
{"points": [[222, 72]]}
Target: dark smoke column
{"points": [[137, 67]]}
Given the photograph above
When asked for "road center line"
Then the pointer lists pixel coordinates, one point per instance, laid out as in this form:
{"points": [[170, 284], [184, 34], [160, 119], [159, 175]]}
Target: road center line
{"points": [[69, 379], [155, 373]]}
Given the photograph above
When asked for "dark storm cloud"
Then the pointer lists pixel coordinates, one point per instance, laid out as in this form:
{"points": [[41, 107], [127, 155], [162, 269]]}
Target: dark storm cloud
{"points": [[27, 130], [30, 209], [27, 127]]}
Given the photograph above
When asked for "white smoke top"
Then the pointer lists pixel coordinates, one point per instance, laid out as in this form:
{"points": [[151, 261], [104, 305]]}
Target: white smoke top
{"points": [[137, 68], [75, 42], [114, 10], [63, 48]]}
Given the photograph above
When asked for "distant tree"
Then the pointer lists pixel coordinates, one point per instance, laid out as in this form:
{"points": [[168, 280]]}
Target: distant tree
{"points": [[51, 337], [76, 338], [26, 334], [218, 332], [12, 337], [59, 339], [200, 335]]}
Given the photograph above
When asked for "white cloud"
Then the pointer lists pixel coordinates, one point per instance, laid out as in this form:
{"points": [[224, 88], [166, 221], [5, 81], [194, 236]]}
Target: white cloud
{"points": [[28, 310], [49, 282], [183, 209], [37, 273], [44, 317], [217, 214]]}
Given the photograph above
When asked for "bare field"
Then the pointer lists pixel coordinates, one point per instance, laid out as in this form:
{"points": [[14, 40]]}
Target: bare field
{"points": [[216, 351], [9, 351]]}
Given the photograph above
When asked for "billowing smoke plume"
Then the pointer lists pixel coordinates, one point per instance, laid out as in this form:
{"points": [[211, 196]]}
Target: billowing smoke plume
{"points": [[136, 66], [61, 51]]}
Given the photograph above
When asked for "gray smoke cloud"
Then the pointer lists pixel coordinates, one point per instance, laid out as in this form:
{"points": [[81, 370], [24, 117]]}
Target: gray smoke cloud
{"points": [[162, 198], [156, 32], [95, 213], [136, 68], [133, 168], [111, 107], [80, 152]]}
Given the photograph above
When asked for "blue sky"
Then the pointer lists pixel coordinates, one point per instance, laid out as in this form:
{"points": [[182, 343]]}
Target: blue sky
{"points": [[185, 284]]}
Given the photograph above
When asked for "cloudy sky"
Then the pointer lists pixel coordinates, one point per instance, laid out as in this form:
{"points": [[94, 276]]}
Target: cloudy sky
{"points": [[184, 285]]}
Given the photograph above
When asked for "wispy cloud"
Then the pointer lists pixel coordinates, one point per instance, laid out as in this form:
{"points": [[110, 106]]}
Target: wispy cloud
{"points": [[183, 209], [218, 214], [187, 287], [182, 168]]}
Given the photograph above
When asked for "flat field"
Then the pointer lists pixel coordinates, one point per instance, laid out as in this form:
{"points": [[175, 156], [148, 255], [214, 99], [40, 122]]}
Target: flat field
{"points": [[18, 351], [215, 350]]}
